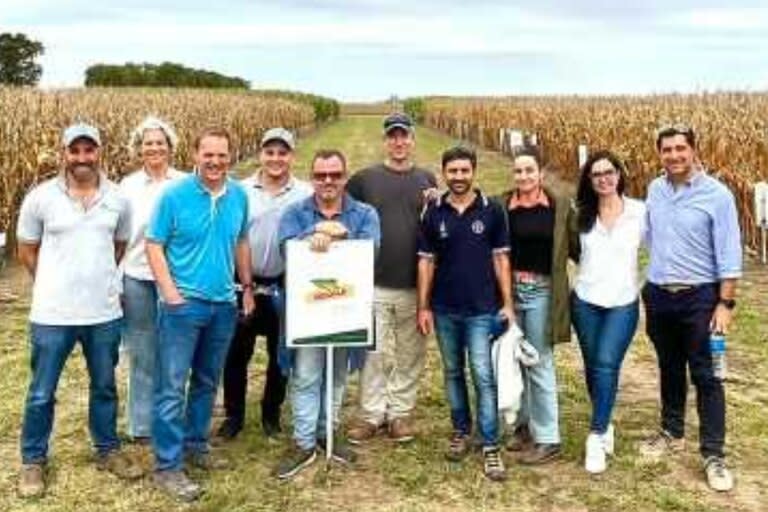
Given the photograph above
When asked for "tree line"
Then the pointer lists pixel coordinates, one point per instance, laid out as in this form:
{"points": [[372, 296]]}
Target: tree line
{"points": [[167, 74]]}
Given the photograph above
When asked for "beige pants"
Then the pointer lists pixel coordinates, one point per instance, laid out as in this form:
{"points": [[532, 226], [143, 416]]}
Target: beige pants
{"points": [[390, 378]]}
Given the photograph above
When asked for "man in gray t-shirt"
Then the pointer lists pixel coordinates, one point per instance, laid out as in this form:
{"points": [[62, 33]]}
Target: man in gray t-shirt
{"points": [[389, 380], [72, 231]]}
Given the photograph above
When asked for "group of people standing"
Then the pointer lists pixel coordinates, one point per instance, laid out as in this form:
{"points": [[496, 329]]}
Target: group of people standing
{"points": [[188, 269]]}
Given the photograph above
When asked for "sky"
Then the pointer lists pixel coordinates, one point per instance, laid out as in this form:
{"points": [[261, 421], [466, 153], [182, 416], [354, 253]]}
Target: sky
{"points": [[369, 50]]}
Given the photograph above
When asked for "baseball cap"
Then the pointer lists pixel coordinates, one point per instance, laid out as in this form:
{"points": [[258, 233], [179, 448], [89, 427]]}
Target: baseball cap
{"points": [[81, 131], [398, 120], [280, 134]]}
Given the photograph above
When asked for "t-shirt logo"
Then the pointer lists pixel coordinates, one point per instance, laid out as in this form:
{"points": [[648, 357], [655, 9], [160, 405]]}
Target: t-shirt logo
{"points": [[443, 230], [478, 227]]}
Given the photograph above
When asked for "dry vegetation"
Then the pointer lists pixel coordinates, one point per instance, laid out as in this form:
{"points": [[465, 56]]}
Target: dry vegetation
{"points": [[732, 129], [31, 122]]}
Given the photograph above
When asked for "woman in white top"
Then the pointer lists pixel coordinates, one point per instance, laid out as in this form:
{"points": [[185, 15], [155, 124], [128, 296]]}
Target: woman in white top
{"points": [[604, 302], [153, 141]]}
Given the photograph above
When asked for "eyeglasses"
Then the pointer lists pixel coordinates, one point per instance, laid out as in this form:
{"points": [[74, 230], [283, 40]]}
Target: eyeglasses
{"points": [[603, 174], [323, 176]]}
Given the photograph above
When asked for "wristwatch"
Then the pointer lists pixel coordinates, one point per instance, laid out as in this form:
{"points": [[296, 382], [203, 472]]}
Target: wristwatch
{"points": [[728, 303]]}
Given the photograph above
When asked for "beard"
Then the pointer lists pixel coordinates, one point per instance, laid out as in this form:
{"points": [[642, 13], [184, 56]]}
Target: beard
{"points": [[459, 187], [82, 173]]}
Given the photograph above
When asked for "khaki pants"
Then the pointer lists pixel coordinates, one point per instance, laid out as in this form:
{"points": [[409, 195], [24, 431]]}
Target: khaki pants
{"points": [[390, 378]]}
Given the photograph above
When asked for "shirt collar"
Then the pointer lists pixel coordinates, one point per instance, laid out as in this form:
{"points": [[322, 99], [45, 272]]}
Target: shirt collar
{"points": [[170, 173], [61, 182], [204, 190], [285, 188], [347, 204], [541, 200], [694, 179]]}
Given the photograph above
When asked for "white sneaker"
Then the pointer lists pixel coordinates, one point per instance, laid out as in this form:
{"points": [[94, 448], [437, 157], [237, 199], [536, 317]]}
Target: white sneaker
{"points": [[608, 441], [594, 461], [719, 477]]}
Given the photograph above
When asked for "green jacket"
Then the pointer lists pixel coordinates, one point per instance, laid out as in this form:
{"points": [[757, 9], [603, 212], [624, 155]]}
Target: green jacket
{"points": [[565, 245]]}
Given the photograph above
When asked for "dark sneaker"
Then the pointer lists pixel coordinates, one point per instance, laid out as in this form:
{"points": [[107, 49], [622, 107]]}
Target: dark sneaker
{"points": [[362, 431], [719, 477], [458, 447], [207, 461], [119, 464], [31, 481], [140, 440], [493, 466], [401, 430], [342, 452], [521, 439], [177, 485], [293, 461], [540, 453], [660, 445], [228, 430]]}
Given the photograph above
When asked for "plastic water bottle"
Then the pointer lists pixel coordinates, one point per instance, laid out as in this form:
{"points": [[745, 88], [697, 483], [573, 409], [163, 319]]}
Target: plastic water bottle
{"points": [[717, 349]]}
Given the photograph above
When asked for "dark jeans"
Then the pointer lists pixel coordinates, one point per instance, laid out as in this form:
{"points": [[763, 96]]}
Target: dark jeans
{"points": [[678, 325], [265, 322], [604, 336], [193, 339], [51, 346]]}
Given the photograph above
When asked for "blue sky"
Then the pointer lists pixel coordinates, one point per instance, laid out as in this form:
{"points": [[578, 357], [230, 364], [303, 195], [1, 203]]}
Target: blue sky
{"points": [[371, 49]]}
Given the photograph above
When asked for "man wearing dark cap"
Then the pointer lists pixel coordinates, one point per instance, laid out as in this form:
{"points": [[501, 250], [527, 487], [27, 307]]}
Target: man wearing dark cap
{"points": [[390, 377], [270, 191], [72, 232]]}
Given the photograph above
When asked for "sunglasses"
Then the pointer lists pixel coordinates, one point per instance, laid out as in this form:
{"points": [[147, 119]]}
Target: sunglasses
{"points": [[323, 176], [674, 129]]}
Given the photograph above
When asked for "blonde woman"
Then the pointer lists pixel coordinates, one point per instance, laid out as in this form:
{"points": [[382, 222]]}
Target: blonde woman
{"points": [[153, 141]]}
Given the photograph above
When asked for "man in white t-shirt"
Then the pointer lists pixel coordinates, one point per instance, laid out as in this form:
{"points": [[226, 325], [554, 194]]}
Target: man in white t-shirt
{"points": [[72, 232]]}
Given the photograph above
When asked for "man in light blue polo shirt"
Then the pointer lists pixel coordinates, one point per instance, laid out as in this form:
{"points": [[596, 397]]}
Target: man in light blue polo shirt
{"points": [[196, 237], [695, 262], [72, 231]]}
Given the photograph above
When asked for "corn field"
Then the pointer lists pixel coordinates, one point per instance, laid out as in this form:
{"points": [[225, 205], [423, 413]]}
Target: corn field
{"points": [[31, 122], [732, 130]]}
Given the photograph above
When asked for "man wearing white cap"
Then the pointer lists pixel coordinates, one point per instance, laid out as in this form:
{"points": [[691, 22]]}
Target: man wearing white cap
{"points": [[270, 191], [72, 232]]}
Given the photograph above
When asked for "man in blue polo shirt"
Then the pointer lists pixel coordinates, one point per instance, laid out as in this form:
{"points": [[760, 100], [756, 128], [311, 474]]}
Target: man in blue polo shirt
{"points": [[196, 237], [695, 261], [463, 270]]}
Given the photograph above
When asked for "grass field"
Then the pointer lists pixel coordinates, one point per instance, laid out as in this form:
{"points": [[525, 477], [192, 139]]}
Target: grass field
{"points": [[416, 477]]}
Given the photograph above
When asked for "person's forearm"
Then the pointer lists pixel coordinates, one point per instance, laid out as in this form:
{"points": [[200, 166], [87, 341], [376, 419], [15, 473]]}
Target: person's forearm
{"points": [[159, 266], [28, 257], [243, 262], [503, 277], [728, 289], [424, 285]]}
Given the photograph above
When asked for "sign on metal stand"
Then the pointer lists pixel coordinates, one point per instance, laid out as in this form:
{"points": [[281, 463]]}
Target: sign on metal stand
{"points": [[761, 215], [329, 299], [583, 154]]}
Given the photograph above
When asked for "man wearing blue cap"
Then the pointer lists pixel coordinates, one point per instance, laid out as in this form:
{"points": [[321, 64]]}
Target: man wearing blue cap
{"points": [[72, 232]]}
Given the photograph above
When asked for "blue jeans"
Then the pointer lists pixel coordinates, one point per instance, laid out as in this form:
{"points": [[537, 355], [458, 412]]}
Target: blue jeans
{"points": [[51, 346], [193, 339], [140, 340], [308, 393], [459, 336], [604, 336], [539, 408]]}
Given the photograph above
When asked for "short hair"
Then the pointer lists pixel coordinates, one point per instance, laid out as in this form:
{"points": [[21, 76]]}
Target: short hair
{"points": [[459, 153], [325, 154], [530, 151], [153, 123], [676, 129], [213, 131]]}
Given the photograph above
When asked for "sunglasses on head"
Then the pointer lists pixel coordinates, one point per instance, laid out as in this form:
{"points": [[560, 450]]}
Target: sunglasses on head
{"points": [[323, 176]]}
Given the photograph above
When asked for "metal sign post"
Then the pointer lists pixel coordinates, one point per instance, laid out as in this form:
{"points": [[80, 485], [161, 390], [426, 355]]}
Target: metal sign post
{"points": [[583, 154], [329, 417]]}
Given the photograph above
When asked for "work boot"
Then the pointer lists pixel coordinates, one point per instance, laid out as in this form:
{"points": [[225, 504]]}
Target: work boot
{"points": [[31, 481], [119, 464], [177, 485]]}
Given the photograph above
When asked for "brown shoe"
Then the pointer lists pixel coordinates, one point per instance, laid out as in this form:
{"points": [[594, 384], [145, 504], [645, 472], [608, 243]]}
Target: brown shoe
{"points": [[207, 461], [540, 454], [521, 440], [401, 430], [119, 464], [458, 447], [361, 431], [31, 481]]}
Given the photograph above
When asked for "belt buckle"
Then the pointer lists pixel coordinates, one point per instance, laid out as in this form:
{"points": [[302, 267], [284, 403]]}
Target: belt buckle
{"points": [[677, 288]]}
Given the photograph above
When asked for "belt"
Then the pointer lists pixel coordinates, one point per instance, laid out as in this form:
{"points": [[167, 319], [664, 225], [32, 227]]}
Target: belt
{"points": [[677, 287]]}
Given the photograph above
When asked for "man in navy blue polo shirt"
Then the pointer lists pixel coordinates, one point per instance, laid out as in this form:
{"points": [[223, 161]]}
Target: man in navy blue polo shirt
{"points": [[464, 278]]}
